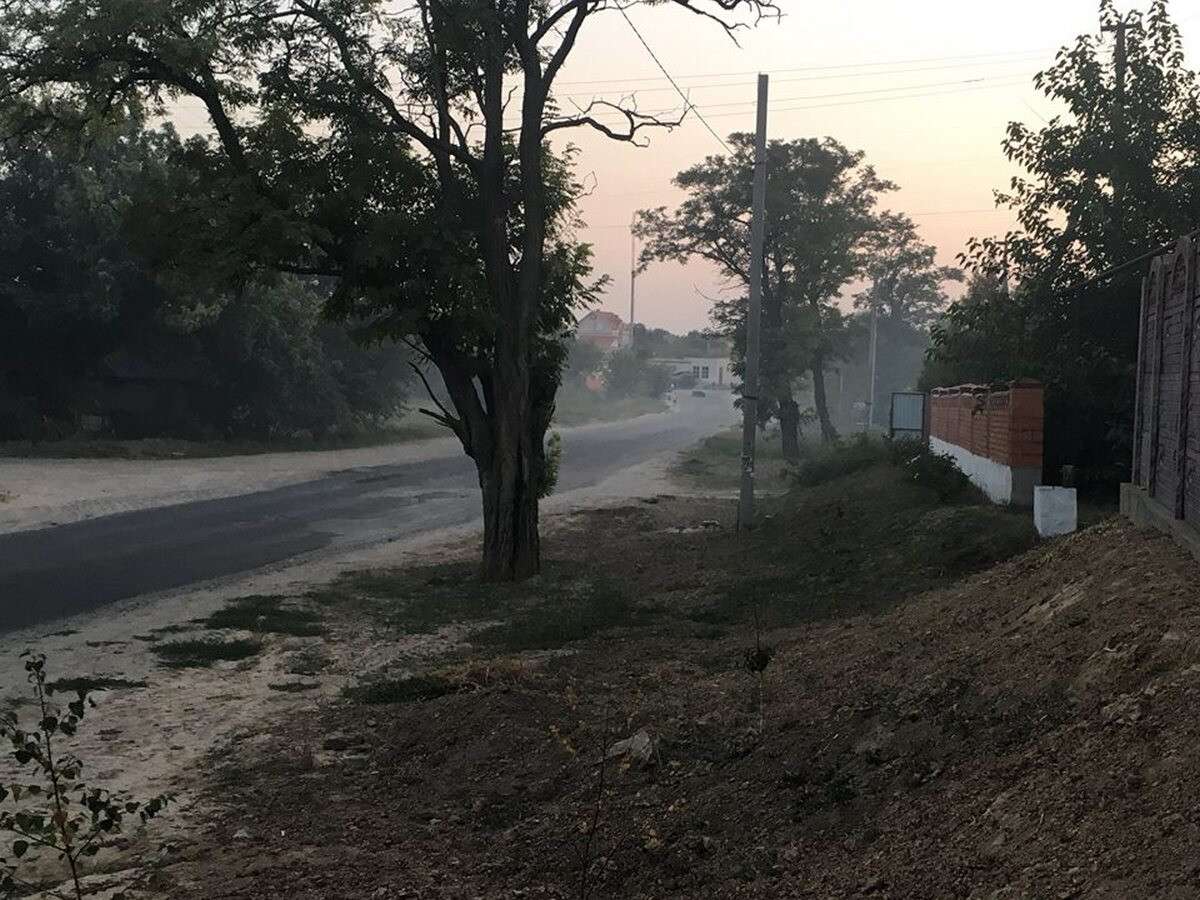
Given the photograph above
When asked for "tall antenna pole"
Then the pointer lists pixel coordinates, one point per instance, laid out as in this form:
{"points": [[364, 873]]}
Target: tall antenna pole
{"points": [[632, 276], [874, 350], [754, 314]]}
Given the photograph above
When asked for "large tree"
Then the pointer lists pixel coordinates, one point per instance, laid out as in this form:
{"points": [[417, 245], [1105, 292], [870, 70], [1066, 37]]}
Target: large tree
{"points": [[1115, 175], [399, 149], [820, 211], [904, 294], [904, 281]]}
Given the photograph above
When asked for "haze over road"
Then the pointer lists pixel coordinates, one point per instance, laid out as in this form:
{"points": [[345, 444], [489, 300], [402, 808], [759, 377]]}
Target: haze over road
{"points": [[52, 572]]}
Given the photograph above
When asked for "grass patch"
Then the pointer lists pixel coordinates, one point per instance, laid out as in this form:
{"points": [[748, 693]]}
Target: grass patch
{"points": [[204, 652], [462, 678], [266, 615], [561, 605], [861, 544], [577, 406], [716, 462], [412, 689], [88, 683], [570, 612]]}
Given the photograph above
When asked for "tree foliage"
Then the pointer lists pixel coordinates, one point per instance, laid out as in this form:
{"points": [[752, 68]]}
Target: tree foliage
{"points": [[1111, 178], [905, 284], [85, 294]]}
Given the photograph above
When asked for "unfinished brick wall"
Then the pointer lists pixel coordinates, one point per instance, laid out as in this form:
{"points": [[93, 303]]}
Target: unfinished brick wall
{"points": [[1006, 427]]}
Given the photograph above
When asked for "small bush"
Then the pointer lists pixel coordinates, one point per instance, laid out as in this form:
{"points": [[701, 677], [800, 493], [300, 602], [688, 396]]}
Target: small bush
{"points": [[554, 452], [57, 813]]}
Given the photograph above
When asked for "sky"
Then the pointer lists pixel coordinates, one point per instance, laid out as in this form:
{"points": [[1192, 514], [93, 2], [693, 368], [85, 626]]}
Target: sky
{"points": [[851, 70]]}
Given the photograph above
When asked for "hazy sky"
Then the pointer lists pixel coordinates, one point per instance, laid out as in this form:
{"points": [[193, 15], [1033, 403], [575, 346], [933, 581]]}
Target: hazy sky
{"points": [[926, 88], [942, 148]]}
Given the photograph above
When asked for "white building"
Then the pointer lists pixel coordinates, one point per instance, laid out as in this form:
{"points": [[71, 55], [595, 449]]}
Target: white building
{"points": [[709, 371]]}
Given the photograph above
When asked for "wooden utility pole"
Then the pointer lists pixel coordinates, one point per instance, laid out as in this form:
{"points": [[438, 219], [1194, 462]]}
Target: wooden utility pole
{"points": [[758, 227]]}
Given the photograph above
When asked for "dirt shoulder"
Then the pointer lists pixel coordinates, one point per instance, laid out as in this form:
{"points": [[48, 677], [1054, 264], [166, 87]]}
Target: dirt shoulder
{"points": [[1027, 732]]}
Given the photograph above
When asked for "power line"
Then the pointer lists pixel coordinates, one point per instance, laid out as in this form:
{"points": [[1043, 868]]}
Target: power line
{"points": [[916, 215], [894, 62], [734, 84], [658, 62], [1008, 81], [942, 93], [903, 87]]}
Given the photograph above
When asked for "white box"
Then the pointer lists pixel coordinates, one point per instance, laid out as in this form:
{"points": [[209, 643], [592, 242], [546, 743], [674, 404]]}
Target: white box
{"points": [[1054, 510]]}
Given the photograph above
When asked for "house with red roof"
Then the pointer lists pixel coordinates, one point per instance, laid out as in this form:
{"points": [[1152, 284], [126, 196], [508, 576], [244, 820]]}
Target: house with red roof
{"points": [[605, 330]]}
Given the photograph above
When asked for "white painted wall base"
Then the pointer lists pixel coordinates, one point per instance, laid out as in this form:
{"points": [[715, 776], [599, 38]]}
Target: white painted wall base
{"points": [[1003, 484]]}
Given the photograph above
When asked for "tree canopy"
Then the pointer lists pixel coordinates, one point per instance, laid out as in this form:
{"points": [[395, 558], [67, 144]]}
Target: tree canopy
{"points": [[821, 211]]}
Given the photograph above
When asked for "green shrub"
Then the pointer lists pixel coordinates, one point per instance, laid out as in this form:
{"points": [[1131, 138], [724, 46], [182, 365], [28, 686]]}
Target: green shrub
{"points": [[832, 461], [938, 472], [554, 450]]}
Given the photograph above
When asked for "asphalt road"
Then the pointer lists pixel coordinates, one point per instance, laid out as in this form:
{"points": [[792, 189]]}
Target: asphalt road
{"points": [[53, 572]]}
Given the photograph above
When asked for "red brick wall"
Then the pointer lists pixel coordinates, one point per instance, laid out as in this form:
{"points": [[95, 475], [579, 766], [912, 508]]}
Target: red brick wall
{"points": [[1003, 426]]}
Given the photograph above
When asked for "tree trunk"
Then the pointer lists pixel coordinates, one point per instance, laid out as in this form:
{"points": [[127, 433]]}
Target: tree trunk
{"points": [[828, 432], [511, 545], [789, 426]]}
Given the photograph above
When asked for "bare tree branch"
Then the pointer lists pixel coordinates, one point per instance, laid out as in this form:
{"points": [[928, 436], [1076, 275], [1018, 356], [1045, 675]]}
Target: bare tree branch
{"points": [[635, 120]]}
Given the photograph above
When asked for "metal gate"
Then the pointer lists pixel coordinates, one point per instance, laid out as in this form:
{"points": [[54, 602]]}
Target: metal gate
{"points": [[907, 418]]}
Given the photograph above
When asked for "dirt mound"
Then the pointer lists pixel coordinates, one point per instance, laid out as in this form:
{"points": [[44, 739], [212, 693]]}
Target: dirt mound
{"points": [[1029, 732]]}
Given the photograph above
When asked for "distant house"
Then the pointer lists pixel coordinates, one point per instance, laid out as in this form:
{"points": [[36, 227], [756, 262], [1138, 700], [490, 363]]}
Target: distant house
{"points": [[605, 330], [703, 371]]}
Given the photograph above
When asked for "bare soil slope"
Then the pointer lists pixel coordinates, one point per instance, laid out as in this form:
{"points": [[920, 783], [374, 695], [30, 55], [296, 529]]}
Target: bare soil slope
{"points": [[1031, 731]]}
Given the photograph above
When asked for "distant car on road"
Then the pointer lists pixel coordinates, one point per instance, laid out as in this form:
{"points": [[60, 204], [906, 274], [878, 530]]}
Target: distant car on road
{"points": [[699, 394]]}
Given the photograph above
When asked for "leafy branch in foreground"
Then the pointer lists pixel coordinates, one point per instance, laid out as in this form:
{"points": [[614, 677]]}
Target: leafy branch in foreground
{"points": [[59, 813]]}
